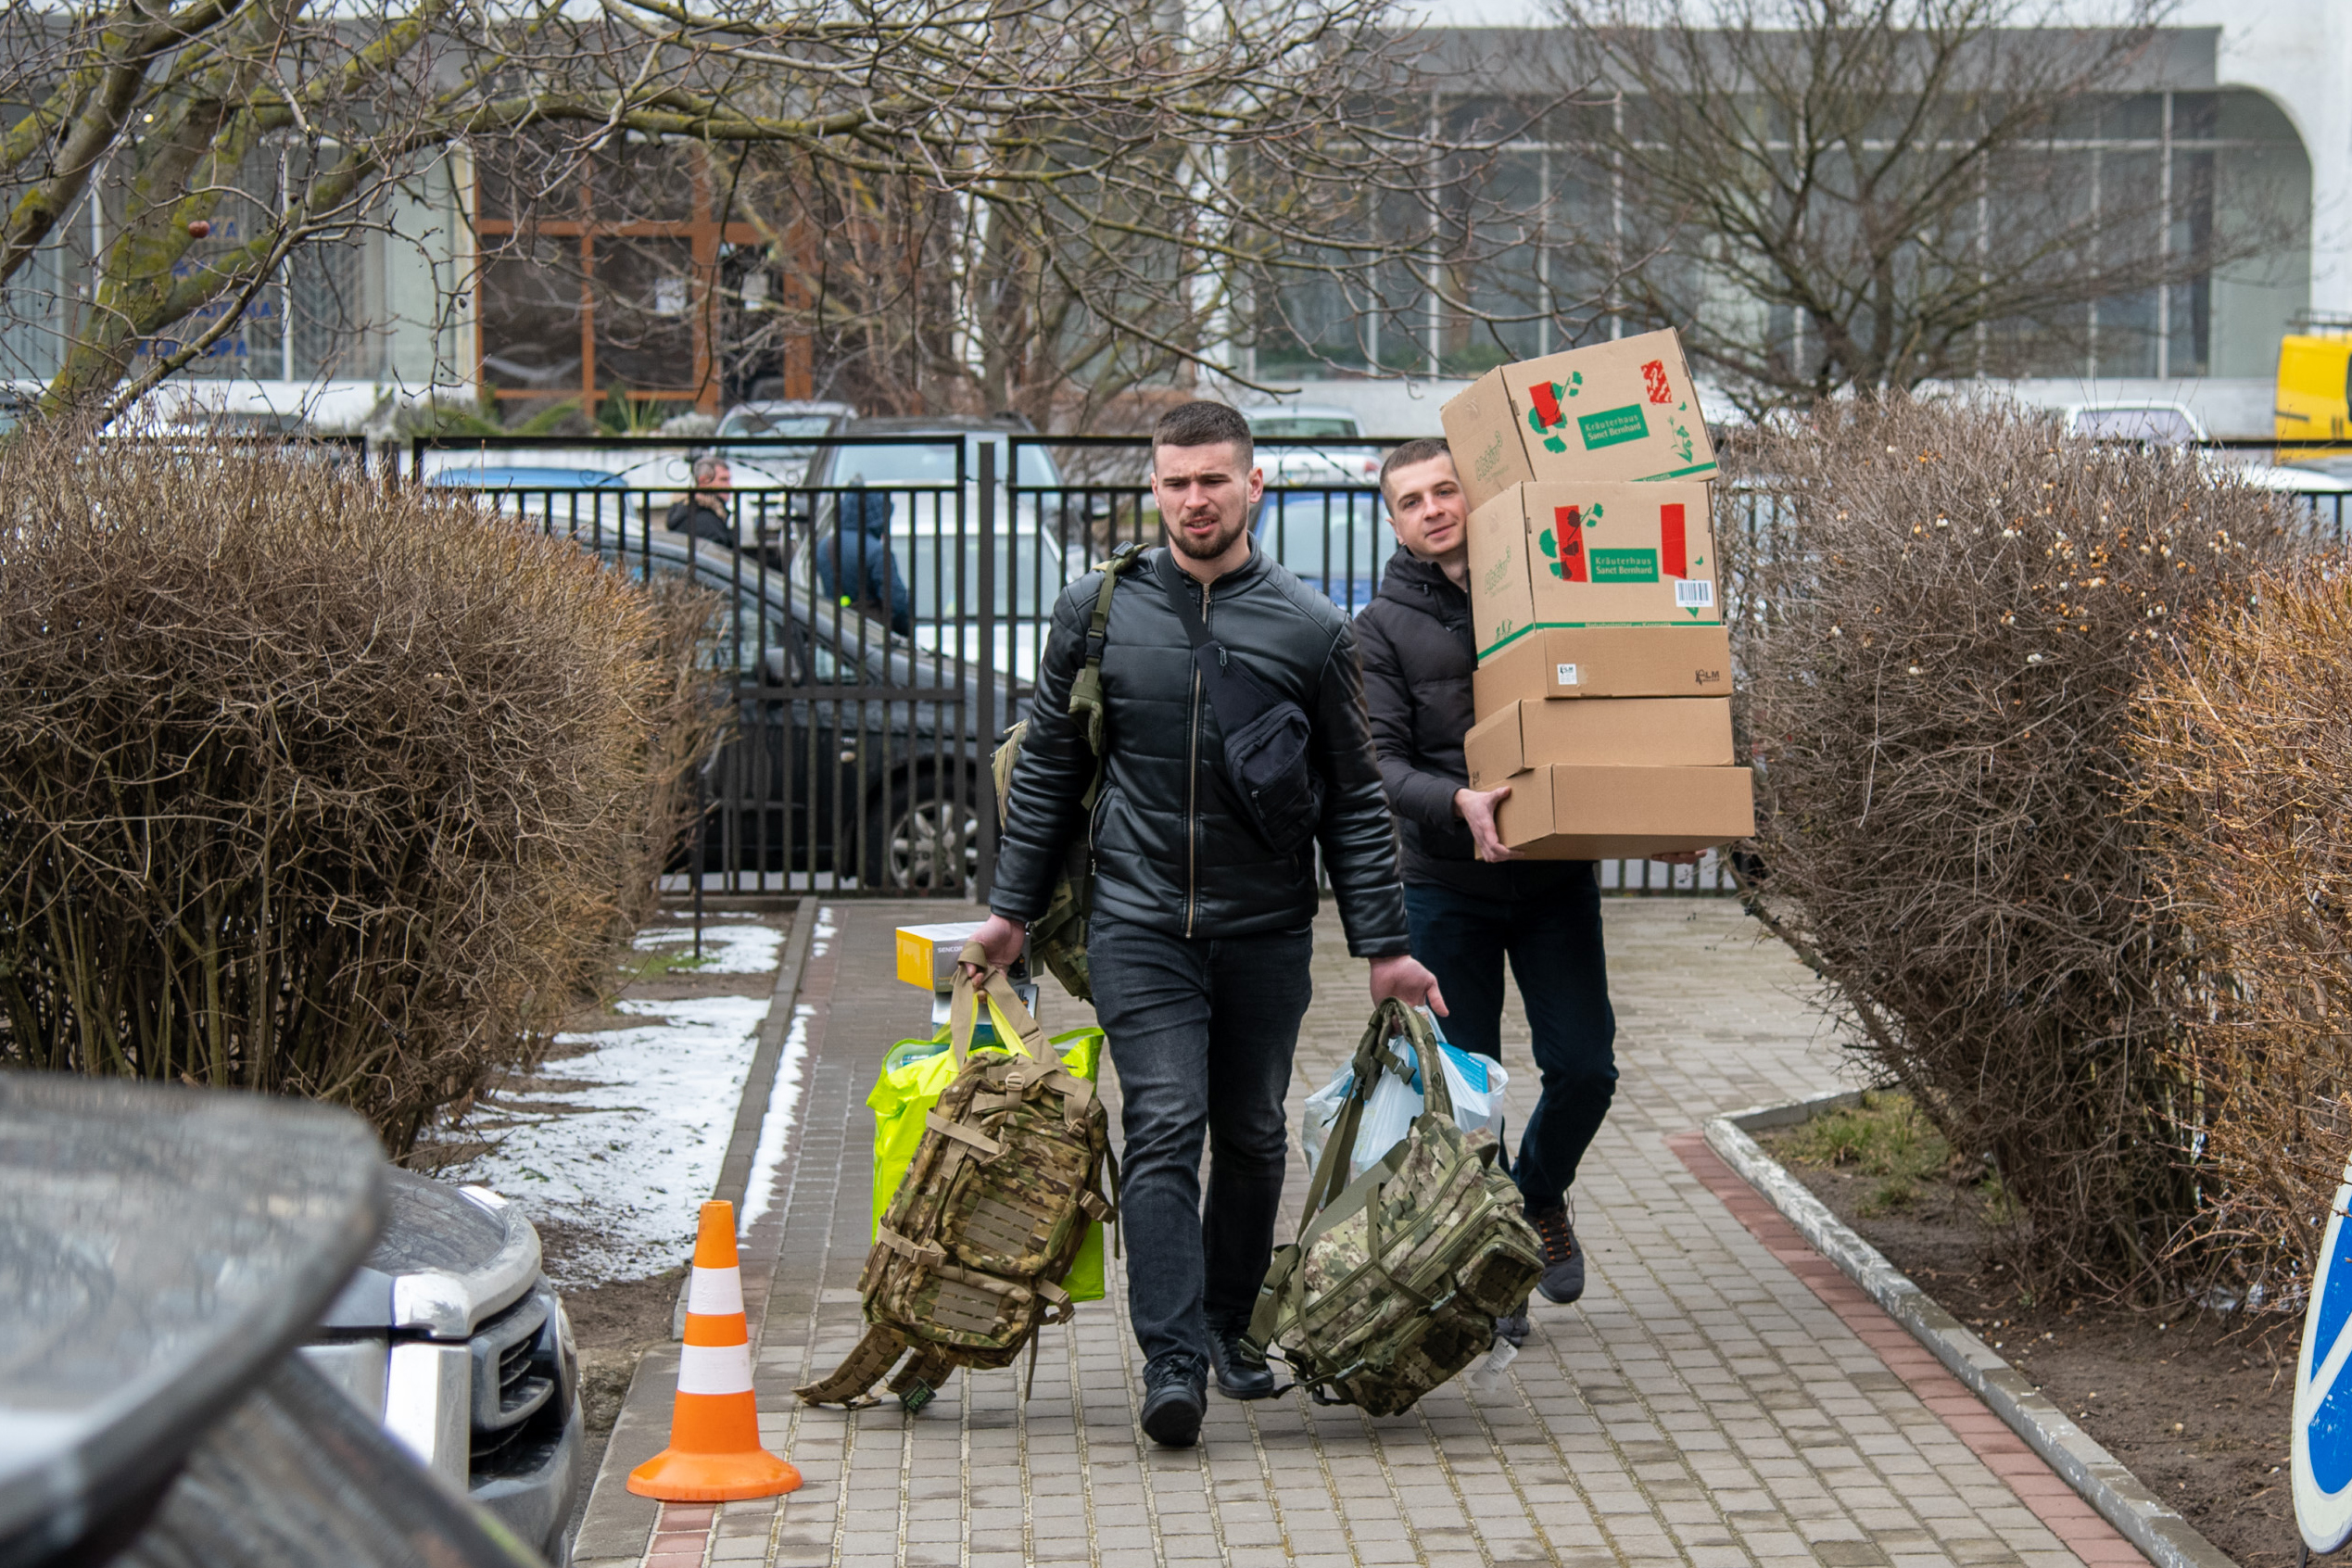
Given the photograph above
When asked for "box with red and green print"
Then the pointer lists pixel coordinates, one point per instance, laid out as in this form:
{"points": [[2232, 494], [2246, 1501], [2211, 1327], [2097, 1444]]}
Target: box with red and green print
{"points": [[1624, 410], [1591, 554]]}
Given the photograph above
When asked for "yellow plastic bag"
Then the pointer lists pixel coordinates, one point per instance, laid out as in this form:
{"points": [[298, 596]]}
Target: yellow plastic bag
{"points": [[914, 1075]]}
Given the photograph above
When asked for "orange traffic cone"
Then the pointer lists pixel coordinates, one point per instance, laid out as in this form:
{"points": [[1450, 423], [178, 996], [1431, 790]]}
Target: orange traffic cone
{"points": [[714, 1453]]}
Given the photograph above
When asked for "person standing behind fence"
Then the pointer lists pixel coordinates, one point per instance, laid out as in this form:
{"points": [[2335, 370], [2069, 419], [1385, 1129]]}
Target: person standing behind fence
{"points": [[1471, 900], [704, 514], [1202, 934], [854, 566]]}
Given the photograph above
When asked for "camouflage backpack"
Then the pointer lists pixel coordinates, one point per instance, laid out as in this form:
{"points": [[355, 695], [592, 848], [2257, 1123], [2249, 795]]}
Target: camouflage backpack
{"points": [[1057, 938], [990, 1216], [1394, 1285]]}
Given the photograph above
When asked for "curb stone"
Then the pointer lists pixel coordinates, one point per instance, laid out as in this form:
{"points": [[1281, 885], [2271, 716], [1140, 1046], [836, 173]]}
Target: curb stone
{"points": [[618, 1525], [2158, 1530]]}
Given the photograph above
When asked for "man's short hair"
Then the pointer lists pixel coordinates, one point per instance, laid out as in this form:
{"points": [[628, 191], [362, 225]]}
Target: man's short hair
{"points": [[1419, 449], [1205, 425], [706, 467]]}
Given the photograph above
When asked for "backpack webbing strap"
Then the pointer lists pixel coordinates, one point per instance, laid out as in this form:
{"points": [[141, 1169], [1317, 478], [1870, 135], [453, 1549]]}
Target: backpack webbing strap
{"points": [[927, 1252], [1086, 687], [863, 1368]]}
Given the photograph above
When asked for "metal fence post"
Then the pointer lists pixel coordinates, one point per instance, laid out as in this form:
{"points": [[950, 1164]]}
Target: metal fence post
{"points": [[984, 719], [702, 823]]}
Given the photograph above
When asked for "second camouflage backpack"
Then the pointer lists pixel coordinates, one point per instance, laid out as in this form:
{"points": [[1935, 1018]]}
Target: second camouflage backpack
{"points": [[989, 1216], [1394, 1284]]}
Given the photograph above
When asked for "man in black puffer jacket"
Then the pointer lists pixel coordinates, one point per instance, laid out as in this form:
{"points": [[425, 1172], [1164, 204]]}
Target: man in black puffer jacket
{"points": [[1201, 933], [1470, 899], [703, 514]]}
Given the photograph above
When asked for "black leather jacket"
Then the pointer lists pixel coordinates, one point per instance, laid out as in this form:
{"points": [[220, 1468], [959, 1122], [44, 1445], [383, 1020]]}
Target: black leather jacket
{"points": [[1173, 851]]}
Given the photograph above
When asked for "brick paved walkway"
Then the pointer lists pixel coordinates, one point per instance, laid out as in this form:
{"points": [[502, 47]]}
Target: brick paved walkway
{"points": [[1700, 1406]]}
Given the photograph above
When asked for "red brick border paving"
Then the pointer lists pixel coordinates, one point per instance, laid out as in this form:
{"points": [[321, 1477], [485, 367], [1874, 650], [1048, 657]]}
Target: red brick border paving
{"points": [[2076, 1524], [683, 1537]]}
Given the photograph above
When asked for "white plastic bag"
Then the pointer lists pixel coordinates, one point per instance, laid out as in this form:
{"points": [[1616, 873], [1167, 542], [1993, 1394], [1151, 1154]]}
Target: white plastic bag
{"points": [[1476, 1083]]}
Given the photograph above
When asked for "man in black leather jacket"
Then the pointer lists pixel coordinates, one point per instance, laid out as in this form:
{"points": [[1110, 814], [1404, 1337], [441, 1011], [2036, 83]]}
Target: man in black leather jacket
{"points": [[1471, 900], [1201, 936]]}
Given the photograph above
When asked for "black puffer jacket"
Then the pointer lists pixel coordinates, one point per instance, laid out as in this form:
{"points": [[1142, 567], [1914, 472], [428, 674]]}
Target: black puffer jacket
{"points": [[1173, 851], [697, 517], [1418, 658]]}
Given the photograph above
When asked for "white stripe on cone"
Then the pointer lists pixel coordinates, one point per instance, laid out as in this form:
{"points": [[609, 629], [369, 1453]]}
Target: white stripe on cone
{"points": [[715, 1293], [715, 1368]]}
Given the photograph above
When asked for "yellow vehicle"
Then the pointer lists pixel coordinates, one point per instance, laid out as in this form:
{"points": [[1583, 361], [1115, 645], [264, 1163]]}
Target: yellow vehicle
{"points": [[2313, 401]]}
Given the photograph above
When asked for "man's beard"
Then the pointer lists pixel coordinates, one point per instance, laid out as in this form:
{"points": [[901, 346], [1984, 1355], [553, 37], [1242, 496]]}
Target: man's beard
{"points": [[1183, 545]]}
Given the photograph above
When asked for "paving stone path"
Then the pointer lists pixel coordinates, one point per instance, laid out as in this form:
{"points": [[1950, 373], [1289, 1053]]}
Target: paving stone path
{"points": [[1703, 1405]]}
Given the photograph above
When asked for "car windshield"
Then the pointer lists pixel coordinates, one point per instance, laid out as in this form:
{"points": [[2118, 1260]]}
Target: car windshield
{"points": [[2168, 426], [749, 422], [758, 623], [931, 462], [1030, 575], [1296, 427], [1329, 538]]}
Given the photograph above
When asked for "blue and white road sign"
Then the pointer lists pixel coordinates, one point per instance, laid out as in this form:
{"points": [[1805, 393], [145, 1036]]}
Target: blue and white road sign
{"points": [[2322, 1449]]}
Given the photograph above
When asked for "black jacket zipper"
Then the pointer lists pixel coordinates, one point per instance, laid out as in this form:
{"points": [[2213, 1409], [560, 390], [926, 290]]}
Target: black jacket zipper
{"points": [[1192, 793]]}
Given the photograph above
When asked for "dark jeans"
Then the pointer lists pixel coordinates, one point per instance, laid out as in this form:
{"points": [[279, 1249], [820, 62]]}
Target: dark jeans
{"points": [[1554, 946], [1201, 1030]]}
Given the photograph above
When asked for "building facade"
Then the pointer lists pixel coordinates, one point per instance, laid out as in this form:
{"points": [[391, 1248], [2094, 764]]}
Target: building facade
{"points": [[2238, 103]]}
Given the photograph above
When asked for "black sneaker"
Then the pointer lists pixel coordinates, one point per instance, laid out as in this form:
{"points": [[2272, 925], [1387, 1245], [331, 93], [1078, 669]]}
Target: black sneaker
{"points": [[1563, 1277], [1512, 1328], [1242, 1373], [1175, 1393]]}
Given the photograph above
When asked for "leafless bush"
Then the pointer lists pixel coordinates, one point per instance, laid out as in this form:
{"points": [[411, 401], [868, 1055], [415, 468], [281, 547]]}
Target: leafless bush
{"points": [[690, 717], [313, 788], [2244, 742], [1944, 612]]}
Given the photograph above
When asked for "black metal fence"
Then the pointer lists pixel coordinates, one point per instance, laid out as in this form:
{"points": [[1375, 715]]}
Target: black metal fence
{"points": [[888, 598]]}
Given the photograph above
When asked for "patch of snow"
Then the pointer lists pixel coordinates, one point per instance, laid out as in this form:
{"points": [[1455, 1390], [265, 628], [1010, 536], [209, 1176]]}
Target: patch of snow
{"points": [[727, 949], [776, 1124], [821, 938], [625, 1141]]}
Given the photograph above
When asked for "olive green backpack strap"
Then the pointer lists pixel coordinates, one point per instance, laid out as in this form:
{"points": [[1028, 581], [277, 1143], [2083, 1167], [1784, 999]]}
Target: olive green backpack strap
{"points": [[1057, 938], [1086, 687], [1278, 1297]]}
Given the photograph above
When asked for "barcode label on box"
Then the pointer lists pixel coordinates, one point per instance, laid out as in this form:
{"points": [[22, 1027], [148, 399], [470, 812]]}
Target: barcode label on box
{"points": [[1567, 674], [1694, 593]]}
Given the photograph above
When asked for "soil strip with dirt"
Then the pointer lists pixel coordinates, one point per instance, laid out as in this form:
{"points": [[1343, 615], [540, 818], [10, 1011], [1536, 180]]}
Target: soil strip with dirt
{"points": [[2197, 1403]]}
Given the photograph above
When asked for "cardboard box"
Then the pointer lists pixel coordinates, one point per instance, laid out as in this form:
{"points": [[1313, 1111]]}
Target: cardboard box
{"points": [[1593, 554], [1565, 662], [927, 954], [1574, 812], [1623, 411], [1633, 731]]}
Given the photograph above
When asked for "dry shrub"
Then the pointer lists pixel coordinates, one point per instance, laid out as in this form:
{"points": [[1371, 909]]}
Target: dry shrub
{"points": [[313, 787], [1945, 612], [691, 715], [2244, 746]]}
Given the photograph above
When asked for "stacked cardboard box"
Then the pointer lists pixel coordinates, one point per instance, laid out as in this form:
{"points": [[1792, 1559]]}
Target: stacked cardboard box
{"points": [[1604, 679]]}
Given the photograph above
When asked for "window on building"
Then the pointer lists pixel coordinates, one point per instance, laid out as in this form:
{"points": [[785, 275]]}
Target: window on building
{"points": [[1532, 241], [600, 277]]}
